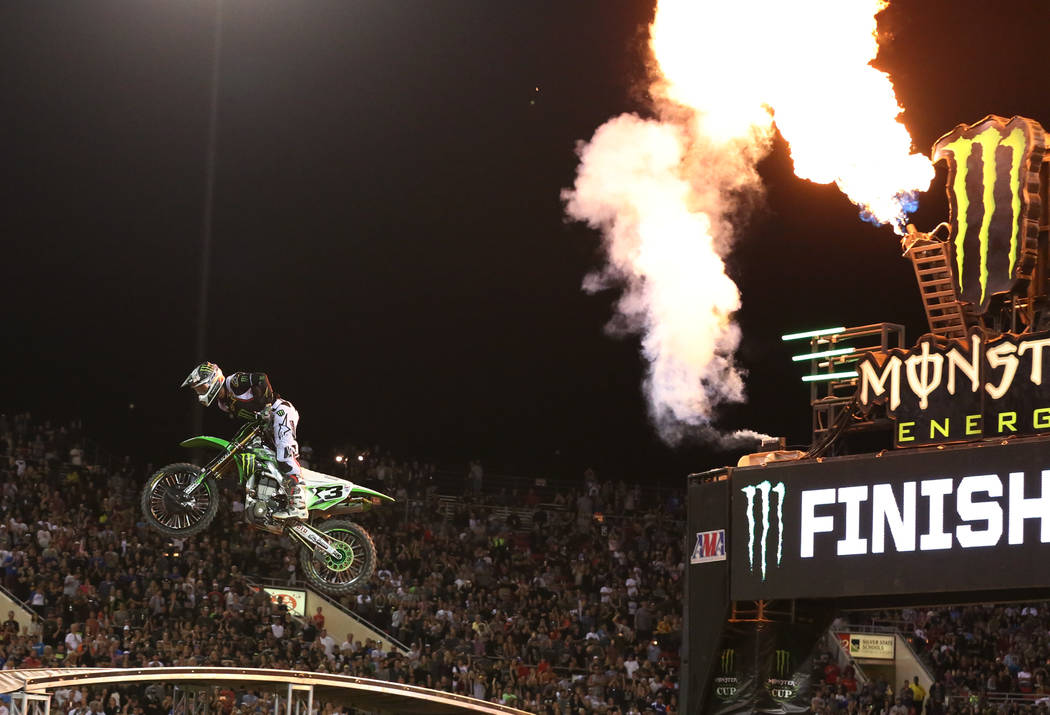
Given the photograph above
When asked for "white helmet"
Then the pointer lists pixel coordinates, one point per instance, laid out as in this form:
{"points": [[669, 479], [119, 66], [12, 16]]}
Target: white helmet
{"points": [[206, 380]]}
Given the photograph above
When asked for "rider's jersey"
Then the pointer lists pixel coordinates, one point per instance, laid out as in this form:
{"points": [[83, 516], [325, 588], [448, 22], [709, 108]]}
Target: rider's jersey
{"points": [[247, 393], [250, 392]]}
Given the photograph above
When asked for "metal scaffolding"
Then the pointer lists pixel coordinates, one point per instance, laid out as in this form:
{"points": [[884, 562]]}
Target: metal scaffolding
{"points": [[195, 690], [191, 700], [30, 704], [298, 700]]}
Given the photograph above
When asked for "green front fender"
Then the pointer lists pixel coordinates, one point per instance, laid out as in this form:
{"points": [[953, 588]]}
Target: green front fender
{"points": [[203, 441]]}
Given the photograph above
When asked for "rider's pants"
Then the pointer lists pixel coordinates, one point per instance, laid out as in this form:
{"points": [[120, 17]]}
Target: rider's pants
{"points": [[285, 420]]}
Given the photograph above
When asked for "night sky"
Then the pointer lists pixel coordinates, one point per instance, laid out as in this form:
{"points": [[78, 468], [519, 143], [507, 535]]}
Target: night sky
{"points": [[389, 242]]}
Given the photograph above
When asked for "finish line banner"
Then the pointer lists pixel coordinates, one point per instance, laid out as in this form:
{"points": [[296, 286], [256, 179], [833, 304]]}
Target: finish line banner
{"points": [[970, 518]]}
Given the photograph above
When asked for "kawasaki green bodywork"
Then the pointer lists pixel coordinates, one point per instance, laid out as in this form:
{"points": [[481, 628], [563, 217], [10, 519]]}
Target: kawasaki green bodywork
{"points": [[322, 491]]}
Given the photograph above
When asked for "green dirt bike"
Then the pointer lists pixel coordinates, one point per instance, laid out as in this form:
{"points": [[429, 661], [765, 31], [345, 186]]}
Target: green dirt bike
{"points": [[337, 556]]}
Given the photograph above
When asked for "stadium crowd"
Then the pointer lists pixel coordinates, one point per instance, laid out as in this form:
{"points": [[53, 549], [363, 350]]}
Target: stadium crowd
{"points": [[569, 603], [989, 659], [985, 658]]}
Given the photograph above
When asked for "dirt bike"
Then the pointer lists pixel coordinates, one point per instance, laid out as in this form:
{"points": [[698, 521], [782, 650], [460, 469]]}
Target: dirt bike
{"points": [[337, 556]]}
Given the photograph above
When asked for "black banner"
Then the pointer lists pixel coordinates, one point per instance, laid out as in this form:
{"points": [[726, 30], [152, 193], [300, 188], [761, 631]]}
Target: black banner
{"points": [[706, 585], [765, 667], [973, 518]]}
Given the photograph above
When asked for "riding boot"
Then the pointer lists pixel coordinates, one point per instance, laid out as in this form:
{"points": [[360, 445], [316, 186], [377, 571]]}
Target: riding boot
{"points": [[296, 508]]}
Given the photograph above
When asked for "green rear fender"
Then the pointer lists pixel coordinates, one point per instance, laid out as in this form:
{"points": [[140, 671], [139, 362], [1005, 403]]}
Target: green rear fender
{"points": [[359, 491], [207, 442]]}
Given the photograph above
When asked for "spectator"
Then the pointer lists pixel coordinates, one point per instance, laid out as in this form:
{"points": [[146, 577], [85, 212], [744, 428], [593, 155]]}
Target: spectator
{"points": [[475, 476], [918, 694]]}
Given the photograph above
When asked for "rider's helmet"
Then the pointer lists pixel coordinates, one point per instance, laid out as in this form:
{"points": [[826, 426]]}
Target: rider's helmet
{"points": [[206, 380]]}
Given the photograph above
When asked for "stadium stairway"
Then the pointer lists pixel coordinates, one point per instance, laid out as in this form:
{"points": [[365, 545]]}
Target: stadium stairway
{"points": [[906, 664], [24, 616], [842, 659], [338, 620]]}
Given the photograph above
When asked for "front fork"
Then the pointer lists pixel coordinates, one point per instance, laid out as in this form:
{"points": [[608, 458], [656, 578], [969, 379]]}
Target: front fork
{"points": [[218, 464], [311, 538]]}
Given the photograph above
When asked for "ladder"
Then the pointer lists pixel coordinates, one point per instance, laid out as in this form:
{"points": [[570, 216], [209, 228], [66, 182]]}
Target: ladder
{"points": [[933, 271]]}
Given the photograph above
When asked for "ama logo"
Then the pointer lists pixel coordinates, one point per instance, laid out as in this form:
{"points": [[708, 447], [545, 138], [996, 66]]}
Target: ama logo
{"points": [[710, 546]]}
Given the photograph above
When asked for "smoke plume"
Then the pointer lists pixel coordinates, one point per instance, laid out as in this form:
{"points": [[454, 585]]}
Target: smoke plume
{"points": [[666, 191], [661, 194]]}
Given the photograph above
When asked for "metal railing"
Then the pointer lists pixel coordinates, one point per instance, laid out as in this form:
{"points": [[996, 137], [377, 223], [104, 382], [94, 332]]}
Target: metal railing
{"points": [[997, 698]]}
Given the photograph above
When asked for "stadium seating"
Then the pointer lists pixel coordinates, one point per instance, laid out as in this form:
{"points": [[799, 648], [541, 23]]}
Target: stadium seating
{"points": [[573, 604]]}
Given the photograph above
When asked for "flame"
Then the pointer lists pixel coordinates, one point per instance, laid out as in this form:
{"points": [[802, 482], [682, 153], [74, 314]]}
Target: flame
{"points": [[743, 65], [667, 192]]}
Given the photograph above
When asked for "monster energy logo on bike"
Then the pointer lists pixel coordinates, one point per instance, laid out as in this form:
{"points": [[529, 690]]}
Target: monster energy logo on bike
{"points": [[993, 171], [764, 489]]}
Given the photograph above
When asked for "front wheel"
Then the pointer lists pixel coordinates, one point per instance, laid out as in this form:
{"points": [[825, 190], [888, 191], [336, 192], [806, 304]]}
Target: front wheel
{"points": [[348, 572], [169, 511]]}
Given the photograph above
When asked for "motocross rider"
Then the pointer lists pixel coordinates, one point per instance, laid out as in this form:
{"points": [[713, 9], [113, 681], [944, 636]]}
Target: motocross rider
{"points": [[243, 394]]}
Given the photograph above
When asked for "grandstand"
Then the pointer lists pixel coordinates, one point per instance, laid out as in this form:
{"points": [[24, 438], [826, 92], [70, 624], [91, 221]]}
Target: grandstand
{"points": [[539, 610]]}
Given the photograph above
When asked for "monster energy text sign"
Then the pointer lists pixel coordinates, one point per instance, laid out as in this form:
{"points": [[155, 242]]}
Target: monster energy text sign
{"points": [[906, 522], [962, 391], [993, 177]]}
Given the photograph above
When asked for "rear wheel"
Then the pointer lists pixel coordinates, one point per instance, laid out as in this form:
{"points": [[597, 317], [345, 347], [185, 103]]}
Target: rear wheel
{"points": [[351, 569], [169, 511]]}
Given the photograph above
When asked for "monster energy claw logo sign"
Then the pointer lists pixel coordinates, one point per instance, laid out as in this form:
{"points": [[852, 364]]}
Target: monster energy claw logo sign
{"points": [[764, 489], [993, 172]]}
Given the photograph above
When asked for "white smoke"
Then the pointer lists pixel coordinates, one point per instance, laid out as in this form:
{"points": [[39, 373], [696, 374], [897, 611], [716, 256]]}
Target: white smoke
{"points": [[663, 194], [666, 192]]}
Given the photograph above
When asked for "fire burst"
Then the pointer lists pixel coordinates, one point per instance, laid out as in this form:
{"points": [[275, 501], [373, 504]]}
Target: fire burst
{"points": [[807, 66], [665, 192]]}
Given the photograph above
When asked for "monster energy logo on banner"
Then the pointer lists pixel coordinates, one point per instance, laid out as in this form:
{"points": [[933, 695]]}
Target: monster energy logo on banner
{"points": [[765, 489], [993, 170], [782, 685], [726, 681], [783, 663], [728, 655]]}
